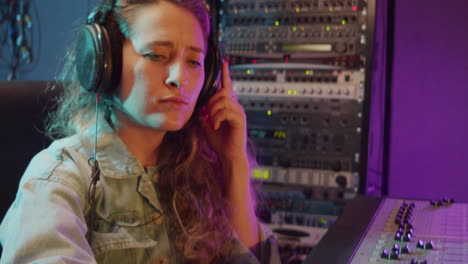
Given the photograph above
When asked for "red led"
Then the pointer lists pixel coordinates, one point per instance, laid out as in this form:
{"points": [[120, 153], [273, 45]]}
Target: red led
{"points": [[355, 8], [286, 58], [254, 61]]}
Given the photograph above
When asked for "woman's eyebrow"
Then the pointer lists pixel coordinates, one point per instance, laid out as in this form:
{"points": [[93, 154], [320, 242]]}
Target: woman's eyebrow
{"points": [[170, 44]]}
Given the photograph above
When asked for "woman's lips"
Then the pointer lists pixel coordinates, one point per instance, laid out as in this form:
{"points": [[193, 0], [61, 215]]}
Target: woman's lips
{"points": [[171, 103]]}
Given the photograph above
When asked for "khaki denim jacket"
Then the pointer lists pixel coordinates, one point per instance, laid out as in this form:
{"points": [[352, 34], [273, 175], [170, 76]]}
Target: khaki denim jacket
{"points": [[47, 221]]}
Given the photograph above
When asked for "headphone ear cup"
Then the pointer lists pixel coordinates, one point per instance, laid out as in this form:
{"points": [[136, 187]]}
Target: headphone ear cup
{"points": [[94, 60], [213, 65]]}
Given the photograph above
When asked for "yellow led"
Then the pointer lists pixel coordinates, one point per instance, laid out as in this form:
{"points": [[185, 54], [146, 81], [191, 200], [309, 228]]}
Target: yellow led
{"points": [[343, 22], [266, 10], [328, 28], [295, 92], [269, 112], [249, 72], [235, 11], [308, 72], [294, 28], [276, 23], [289, 91], [331, 9], [298, 10], [266, 174]]}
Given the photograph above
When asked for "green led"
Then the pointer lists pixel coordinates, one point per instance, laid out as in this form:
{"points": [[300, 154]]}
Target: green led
{"points": [[269, 112], [294, 28], [322, 220], [328, 28], [343, 22], [289, 92], [257, 174], [295, 92], [249, 72], [276, 23], [308, 72], [266, 174]]}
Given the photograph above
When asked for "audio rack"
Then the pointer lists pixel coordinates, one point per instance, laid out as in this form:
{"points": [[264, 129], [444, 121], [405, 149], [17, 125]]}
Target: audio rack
{"points": [[301, 70]]}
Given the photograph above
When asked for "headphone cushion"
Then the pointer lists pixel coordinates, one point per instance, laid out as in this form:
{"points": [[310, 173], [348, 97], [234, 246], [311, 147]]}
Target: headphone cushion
{"points": [[213, 66], [97, 63], [89, 58]]}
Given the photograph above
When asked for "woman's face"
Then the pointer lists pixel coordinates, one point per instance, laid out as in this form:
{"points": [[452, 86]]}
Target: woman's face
{"points": [[163, 67]]}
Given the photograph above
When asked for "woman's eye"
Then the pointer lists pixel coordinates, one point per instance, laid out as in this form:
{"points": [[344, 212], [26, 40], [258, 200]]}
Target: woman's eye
{"points": [[195, 62], [154, 57]]}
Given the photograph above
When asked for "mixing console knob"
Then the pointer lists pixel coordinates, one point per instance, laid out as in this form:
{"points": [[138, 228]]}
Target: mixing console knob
{"points": [[398, 236], [448, 200], [406, 226], [423, 262], [394, 255], [407, 237], [436, 203], [396, 248], [406, 249], [429, 245], [413, 261], [398, 220], [385, 254], [420, 244]]}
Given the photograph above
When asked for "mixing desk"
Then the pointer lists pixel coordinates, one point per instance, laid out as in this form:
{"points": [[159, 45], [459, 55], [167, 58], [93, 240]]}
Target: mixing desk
{"points": [[387, 230]]}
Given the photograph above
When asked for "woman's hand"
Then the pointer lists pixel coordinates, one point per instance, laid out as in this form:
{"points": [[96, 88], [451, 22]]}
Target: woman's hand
{"points": [[224, 121]]}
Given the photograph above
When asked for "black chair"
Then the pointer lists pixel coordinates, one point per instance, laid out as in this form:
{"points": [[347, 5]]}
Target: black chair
{"points": [[23, 109]]}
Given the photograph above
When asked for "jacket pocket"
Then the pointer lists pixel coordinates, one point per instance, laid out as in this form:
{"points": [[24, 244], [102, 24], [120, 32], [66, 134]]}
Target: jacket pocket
{"points": [[118, 232]]}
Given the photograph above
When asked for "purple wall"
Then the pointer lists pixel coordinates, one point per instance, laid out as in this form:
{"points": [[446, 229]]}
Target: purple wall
{"points": [[428, 155]]}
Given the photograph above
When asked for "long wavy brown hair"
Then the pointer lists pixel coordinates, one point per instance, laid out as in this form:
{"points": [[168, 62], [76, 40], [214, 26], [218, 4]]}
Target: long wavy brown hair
{"points": [[191, 184]]}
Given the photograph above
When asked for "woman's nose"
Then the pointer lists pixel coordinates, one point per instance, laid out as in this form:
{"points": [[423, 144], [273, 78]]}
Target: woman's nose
{"points": [[177, 76]]}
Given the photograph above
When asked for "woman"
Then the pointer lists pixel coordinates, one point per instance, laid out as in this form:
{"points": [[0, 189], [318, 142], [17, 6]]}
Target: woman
{"points": [[145, 175]]}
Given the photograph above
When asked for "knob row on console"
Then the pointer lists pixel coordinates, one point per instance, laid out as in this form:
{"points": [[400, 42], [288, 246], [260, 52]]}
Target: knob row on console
{"points": [[422, 245]]}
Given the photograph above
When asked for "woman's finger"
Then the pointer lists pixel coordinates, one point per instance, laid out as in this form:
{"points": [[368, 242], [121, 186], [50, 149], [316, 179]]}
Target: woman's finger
{"points": [[223, 102], [226, 81], [235, 119]]}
